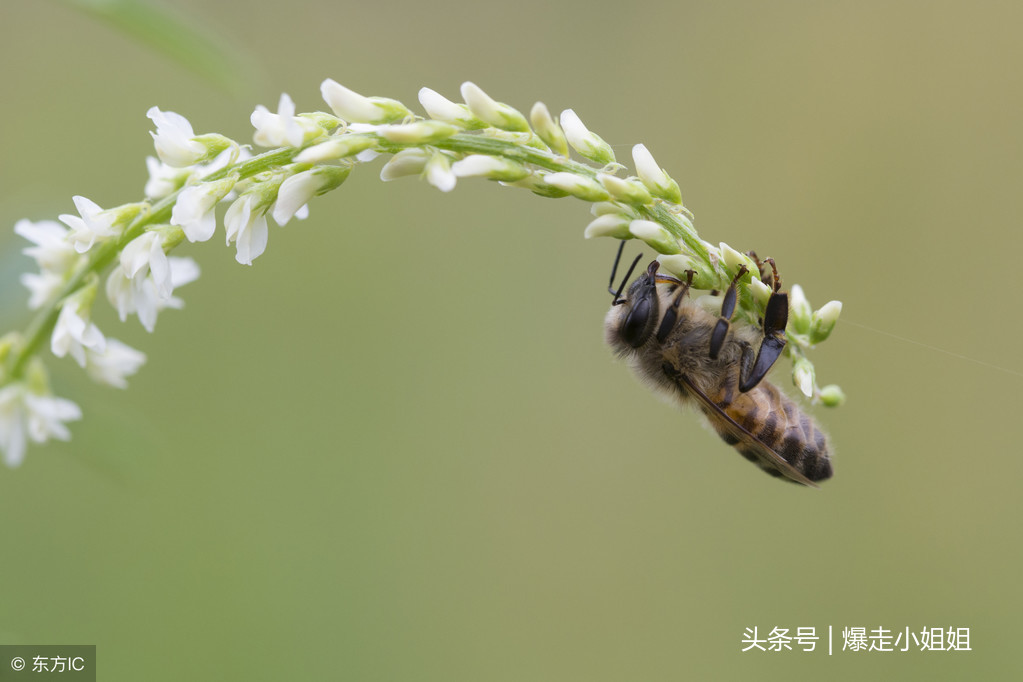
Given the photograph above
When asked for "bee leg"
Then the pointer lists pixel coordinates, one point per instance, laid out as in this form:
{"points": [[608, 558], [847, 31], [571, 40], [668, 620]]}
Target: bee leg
{"points": [[776, 315], [671, 314], [717, 337], [775, 279]]}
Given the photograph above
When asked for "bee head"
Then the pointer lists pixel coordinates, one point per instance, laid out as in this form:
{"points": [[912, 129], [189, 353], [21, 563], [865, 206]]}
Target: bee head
{"points": [[631, 320], [641, 309]]}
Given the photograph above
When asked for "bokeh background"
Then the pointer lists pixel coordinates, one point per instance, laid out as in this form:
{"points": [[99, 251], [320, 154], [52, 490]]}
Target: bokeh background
{"points": [[396, 447]]}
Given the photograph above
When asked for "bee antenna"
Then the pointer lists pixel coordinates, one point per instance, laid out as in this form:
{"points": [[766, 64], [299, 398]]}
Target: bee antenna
{"points": [[618, 300], [614, 270]]}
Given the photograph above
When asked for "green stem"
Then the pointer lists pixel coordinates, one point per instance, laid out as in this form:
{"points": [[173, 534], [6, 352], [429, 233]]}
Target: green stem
{"points": [[478, 144], [98, 260]]}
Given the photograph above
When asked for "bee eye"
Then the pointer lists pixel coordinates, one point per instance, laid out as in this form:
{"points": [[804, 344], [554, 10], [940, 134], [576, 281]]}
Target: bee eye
{"points": [[636, 328]]}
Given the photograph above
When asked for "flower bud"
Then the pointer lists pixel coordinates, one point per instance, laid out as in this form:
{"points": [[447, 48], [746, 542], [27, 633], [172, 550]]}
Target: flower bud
{"points": [[419, 132], [610, 207], [547, 129], [491, 112], [405, 162], [577, 186], [441, 108], [351, 106], [491, 167], [535, 183], [800, 312], [628, 191], [823, 321], [655, 235], [337, 147], [761, 292], [653, 176], [802, 376], [735, 260], [609, 225], [677, 264], [832, 396], [588, 144]]}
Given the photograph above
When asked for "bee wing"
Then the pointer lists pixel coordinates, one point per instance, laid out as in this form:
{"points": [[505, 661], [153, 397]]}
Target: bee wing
{"points": [[768, 457]]}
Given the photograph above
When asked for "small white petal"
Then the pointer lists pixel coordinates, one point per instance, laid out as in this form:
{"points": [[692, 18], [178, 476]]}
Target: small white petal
{"points": [[405, 162], [92, 224], [438, 173], [246, 226], [182, 271], [294, 193]]}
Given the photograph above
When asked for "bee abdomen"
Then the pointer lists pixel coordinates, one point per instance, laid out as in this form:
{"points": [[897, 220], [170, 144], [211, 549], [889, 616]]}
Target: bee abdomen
{"points": [[774, 420]]}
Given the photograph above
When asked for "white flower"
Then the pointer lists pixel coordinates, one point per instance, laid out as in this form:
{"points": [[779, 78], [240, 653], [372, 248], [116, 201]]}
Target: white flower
{"points": [[74, 331], [145, 255], [174, 139], [163, 179], [282, 129], [38, 417], [113, 365], [438, 172], [42, 287], [351, 106], [195, 209], [94, 224], [52, 251], [245, 221], [587, 143], [140, 294]]}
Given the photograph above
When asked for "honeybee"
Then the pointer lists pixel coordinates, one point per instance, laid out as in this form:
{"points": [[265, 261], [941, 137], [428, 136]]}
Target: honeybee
{"points": [[685, 352]]}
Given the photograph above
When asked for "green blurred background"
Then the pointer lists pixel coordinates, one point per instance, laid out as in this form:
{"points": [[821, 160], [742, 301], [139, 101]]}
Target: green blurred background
{"points": [[396, 447]]}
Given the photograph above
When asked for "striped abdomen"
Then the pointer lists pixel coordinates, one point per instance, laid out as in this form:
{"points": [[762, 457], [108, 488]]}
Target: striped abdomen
{"points": [[775, 422]]}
